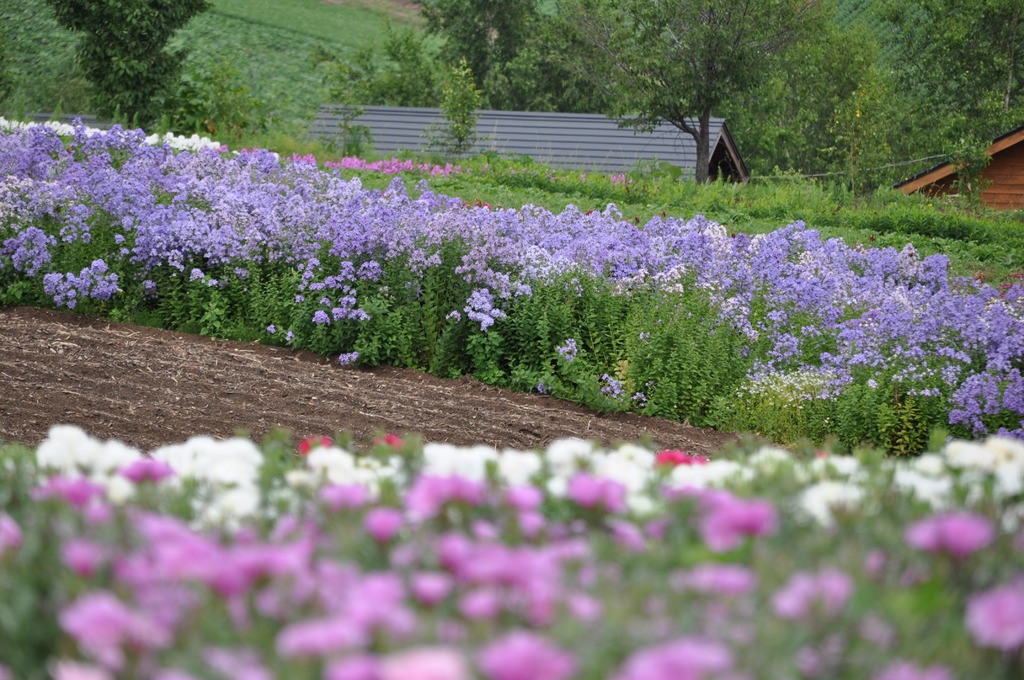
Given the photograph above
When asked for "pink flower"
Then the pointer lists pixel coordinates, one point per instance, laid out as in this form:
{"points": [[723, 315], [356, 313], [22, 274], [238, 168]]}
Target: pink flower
{"points": [[957, 533], [480, 604], [904, 670], [309, 443], [525, 497], [429, 493], [597, 492], [723, 579], [995, 618], [74, 670], [383, 524], [627, 535], [82, 556], [103, 626], [10, 534], [425, 663], [728, 520], [806, 594], [522, 655], [683, 659], [430, 587], [146, 469], [319, 637], [341, 496], [78, 492], [358, 667]]}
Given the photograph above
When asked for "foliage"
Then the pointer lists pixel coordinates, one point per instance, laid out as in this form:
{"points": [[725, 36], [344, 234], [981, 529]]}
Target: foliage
{"points": [[484, 34], [969, 157], [213, 99], [122, 51], [460, 99], [6, 74]]}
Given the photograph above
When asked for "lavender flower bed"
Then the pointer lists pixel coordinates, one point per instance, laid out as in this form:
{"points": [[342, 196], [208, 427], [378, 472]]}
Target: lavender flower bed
{"points": [[781, 333], [212, 559]]}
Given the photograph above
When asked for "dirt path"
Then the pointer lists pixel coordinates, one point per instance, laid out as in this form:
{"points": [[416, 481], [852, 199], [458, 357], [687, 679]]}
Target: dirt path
{"points": [[148, 387]]}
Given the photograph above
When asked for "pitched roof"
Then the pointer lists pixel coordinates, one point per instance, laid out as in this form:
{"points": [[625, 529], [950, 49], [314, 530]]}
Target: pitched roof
{"points": [[934, 174], [561, 140]]}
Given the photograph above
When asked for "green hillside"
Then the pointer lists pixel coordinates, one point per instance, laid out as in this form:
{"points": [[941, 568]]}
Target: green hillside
{"points": [[270, 41]]}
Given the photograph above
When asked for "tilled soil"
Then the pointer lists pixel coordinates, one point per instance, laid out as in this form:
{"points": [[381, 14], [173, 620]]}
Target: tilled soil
{"points": [[149, 387]]}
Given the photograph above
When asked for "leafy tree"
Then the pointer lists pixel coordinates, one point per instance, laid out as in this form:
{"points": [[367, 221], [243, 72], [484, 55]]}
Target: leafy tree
{"points": [[122, 52], [214, 100], [457, 134], [961, 61], [678, 61], [486, 33]]}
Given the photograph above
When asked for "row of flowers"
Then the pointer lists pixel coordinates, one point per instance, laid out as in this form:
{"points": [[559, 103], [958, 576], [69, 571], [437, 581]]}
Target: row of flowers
{"points": [[104, 221], [433, 562]]}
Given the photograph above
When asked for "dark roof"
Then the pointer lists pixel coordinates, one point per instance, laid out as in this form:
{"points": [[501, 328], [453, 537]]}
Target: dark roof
{"points": [[944, 169], [561, 140]]}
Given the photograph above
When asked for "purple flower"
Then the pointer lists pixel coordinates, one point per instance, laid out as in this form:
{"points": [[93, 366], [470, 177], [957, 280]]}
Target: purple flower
{"points": [[995, 618], [957, 533], [348, 359], [271, 329], [808, 594], [522, 655], [320, 316], [569, 349]]}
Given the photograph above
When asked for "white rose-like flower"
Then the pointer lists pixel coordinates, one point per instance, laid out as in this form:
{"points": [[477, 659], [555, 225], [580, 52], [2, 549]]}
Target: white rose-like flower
{"points": [[335, 464], [66, 449], [930, 465], [301, 479], [820, 501], [638, 455], [624, 470], [712, 474], [445, 460], [230, 505], [835, 466]]}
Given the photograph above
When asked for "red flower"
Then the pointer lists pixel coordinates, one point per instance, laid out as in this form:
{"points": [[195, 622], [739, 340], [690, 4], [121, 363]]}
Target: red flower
{"points": [[674, 458], [309, 443], [392, 440]]}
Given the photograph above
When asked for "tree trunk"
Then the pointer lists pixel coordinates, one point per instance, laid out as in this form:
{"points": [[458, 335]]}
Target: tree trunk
{"points": [[703, 139]]}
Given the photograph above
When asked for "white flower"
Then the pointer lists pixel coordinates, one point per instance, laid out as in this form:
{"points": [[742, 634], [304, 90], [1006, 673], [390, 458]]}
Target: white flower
{"points": [[641, 504], [714, 473], [830, 466], [934, 490], [963, 454], [1006, 452], [768, 459], [821, 500], [446, 460], [230, 505], [638, 455], [564, 456], [930, 465], [624, 470], [335, 464], [517, 467], [301, 479]]}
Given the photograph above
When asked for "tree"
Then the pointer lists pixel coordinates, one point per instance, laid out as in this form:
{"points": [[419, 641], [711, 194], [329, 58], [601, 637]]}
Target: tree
{"points": [[460, 99], [486, 33], [6, 77], [962, 61], [122, 52], [677, 61]]}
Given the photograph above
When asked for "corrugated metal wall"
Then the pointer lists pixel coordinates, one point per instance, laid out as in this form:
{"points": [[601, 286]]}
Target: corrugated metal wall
{"points": [[561, 140]]}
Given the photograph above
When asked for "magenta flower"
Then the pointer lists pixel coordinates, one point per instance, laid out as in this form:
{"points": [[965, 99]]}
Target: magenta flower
{"points": [[524, 498], [429, 493], [10, 534], [683, 659], [904, 670], [383, 524], [995, 618], [807, 594], [74, 670], [722, 579], [728, 520], [146, 469], [522, 655], [480, 604], [425, 663], [957, 533], [627, 535]]}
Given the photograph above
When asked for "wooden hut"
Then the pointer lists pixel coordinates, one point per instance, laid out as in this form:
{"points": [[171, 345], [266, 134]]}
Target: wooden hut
{"points": [[1004, 176]]}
